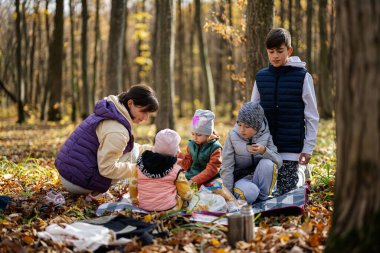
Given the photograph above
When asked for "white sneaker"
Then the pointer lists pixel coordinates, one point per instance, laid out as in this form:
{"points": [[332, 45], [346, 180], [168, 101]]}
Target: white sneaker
{"points": [[301, 175], [308, 174]]}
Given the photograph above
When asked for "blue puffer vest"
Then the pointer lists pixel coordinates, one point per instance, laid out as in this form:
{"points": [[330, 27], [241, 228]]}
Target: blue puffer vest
{"points": [[77, 159], [280, 91]]}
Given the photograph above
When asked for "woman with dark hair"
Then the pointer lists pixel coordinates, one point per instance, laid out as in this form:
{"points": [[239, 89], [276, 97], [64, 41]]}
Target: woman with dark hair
{"points": [[97, 152]]}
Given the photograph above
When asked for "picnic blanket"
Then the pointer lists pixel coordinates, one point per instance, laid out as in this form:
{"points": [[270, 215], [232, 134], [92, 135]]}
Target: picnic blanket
{"points": [[291, 203]]}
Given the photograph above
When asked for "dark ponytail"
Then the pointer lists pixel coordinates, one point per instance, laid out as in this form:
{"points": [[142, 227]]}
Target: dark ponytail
{"points": [[141, 95]]}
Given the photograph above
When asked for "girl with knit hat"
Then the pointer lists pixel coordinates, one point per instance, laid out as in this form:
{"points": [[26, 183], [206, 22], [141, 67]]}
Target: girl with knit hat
{"points": [[158, 183], [203, 157], [250, 159]]}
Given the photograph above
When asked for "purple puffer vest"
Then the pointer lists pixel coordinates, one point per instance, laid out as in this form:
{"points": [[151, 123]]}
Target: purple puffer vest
{"points": [[77, 159]]}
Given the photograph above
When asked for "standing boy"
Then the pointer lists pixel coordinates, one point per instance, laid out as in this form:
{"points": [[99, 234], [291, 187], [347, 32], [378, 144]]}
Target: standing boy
{"points": [[285, 90]]}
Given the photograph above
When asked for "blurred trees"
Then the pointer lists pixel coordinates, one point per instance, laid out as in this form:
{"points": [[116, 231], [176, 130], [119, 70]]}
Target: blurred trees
{"points": [[106, 49]]}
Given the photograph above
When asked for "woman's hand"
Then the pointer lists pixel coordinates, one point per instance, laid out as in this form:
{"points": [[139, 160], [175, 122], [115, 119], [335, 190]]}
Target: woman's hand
{"points": [[255, 149]]}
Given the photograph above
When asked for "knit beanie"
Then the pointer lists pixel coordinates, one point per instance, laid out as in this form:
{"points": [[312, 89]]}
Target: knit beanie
{"points": [[167, 142], [252, 114], [203, 122]]}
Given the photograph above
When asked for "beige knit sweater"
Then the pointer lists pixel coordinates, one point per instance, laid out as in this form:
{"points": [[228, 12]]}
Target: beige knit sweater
{"points": [[113, 138]]}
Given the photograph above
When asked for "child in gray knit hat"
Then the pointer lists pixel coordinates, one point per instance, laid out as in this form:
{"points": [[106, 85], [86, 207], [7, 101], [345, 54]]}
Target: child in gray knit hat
{"points": [[203, 157], [250, 159]]}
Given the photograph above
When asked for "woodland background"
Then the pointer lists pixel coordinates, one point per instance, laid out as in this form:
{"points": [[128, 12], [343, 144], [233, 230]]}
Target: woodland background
{"points": [[57, 58]]}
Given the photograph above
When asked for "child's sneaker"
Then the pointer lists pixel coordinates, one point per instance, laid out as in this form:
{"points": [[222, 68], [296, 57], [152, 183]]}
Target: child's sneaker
{"points": [[301, 175], [96, 196], [308, 174]]}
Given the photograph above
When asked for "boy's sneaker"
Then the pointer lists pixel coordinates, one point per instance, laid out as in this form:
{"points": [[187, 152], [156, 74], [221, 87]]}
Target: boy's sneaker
{"points": [[301, 175], [308, 175], [96, 196]]}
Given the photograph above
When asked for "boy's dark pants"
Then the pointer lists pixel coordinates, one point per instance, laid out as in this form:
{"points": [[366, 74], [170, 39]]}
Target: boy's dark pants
{"points": [[287, 178]]}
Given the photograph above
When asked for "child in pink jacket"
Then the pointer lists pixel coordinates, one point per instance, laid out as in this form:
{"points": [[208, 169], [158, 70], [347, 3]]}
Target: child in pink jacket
{"points": [[158, 183]]}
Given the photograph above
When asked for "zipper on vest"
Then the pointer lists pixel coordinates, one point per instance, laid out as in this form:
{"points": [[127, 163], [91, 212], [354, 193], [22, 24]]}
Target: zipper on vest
{"points": [[276, 106]]}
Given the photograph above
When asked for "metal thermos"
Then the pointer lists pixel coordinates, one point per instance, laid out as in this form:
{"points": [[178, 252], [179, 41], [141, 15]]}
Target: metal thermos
{"points": [[241, 226], [249, 222], [235, 231]]}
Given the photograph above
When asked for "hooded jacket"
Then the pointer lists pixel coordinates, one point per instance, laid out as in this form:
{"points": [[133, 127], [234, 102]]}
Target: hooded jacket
{"points": [[157, 182], [311, 116], [237, 160]]}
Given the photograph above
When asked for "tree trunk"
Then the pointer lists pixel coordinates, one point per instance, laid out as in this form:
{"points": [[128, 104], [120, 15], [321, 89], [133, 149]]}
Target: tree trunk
{"points": [[55, 65], [73, 67], [40, 65], [85, 89], [96, 53], [206, 69], [46, 93], [309, 26], [324, 87], [220, 64], [140, 71], [191, 59], [259, 22], [24, 55], [114, 80], [127, 73], [296, 36], [32, 81], [180, 49], [231, 64], [290, 16], [355, 224], [7, 92], [20, 85], [282, 13], [164, 60]]}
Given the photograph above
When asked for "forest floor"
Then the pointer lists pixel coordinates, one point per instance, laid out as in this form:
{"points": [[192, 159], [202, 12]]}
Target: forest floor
{"points": [[27, 173]]}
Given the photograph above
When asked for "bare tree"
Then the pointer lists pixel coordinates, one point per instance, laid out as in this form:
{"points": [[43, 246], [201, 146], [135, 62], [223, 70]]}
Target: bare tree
{"points": [[127, 73], [114, 80], [259, 22], [32, 82], [180, 46], [85, 110], [290, 15], [324, 85], [206, 69], [309, 26], [355, 224], [220, 50], [231, 64], [282, 13], [73, 65], [20, 84], [95, 62], [55, 65], [46, 89], [164, 61], [191, 60]]}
